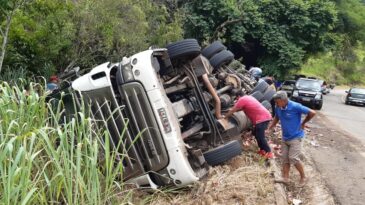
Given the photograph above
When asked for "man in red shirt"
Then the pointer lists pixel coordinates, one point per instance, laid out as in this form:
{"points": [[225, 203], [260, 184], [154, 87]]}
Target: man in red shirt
{"points": [[260, 118]]}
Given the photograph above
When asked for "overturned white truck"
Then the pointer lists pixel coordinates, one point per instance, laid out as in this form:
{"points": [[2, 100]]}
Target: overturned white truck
{"points": [[156, 106]]}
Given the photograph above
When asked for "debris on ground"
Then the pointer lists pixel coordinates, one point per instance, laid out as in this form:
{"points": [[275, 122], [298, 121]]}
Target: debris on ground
{"points": [[297, 202], [243, 180], [247, 179], [315, 191]]}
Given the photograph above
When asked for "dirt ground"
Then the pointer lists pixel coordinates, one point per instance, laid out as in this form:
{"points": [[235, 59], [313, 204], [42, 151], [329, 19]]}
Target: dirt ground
{"points": [[339, 157], [315, 192], [248, 180], [243, 180]]}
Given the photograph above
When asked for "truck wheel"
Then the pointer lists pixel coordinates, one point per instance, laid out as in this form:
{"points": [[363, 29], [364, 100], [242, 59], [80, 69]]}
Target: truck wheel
{"points": [[185, 49], [223, 153], [222, 58], [258, 95], [268, 94], [267, 105], [212, 49], [241, 120], [261, 86]]}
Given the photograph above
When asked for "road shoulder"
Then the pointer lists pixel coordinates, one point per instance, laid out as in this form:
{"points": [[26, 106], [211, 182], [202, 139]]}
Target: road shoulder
{"points": [[339, 158], [315, 192]]}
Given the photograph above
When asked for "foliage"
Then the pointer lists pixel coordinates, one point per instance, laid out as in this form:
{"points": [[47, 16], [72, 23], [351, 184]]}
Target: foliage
{"points": [[351, 20], [40, 36], [52, 35], [42, 162], [48, 36], [288, 31], [334, 69], [345, 63], [8, 9], [12, 76]]}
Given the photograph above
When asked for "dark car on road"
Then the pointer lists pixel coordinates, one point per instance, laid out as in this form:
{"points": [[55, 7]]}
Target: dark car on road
{"points": [[288, 86], [355, 96], [308, 92]]}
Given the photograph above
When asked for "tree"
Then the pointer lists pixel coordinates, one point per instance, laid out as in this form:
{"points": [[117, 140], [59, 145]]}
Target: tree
{"points": [[8, 9], [41, 38], [52, 35], [351, 20], [275, 34], [109, 29]]}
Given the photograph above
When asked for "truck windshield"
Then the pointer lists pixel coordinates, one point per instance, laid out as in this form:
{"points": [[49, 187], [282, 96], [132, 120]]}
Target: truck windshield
{"points": [[308, 85]]}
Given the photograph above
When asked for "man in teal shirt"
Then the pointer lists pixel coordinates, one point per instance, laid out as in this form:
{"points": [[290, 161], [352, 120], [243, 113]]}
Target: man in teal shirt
{"points": [[289, 114]]}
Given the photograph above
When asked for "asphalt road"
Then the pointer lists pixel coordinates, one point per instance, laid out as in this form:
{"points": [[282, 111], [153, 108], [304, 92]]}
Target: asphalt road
{"points": [[339, 156], [350, 118]]}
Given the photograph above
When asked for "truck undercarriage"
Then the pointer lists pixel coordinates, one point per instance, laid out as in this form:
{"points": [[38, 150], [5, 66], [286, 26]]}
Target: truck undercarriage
{"points": [[160, 113]]}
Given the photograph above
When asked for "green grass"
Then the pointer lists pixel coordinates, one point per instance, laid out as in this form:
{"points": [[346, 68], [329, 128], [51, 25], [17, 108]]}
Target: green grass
{"points": [[43, 162], [322, 66], [334, 70]]}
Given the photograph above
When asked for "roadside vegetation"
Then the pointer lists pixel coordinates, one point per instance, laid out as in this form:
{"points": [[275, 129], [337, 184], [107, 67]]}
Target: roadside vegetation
{"points": [[48, 36], [328, 67], [43, 161], [345, 62]]}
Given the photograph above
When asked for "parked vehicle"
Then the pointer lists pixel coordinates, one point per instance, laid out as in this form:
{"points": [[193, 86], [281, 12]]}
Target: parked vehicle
{"points": [[308, 92], [158, 94], [288, 86], [355, 96]]}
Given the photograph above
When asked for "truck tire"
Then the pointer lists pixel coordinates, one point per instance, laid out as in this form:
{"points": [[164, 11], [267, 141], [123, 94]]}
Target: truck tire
{"points": [[258, 95], [267, 105], [213, 49], [268, 94], [223, 153], [241, 120], [261, 86], [222, 58], [185, 49]]}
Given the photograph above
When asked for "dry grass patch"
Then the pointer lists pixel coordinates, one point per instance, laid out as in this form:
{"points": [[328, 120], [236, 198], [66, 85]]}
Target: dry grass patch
{"points": [[243, 180]]}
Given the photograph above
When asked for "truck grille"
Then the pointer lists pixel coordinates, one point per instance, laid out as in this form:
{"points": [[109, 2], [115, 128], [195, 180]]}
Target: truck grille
{"points": [[132, 125], [142, 124]]}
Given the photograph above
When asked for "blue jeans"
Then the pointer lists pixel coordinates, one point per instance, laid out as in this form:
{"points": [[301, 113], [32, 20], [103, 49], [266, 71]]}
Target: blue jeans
{"points": [[259, 133]]}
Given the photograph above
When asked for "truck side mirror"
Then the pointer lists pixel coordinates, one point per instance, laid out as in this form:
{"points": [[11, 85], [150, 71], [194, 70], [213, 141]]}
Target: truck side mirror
{"points": [[346, 91]]}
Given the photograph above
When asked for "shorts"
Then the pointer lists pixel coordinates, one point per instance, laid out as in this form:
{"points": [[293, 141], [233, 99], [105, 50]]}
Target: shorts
{"points": [[291, 151]]}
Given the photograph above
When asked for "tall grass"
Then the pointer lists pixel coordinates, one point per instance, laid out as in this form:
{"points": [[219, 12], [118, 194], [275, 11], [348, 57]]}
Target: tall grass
{"points": [[44, 162], [10, 75]]}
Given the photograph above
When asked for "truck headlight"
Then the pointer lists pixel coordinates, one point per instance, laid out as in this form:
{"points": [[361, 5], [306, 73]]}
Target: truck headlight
{"points": [[318, 96], [295, 93]]}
